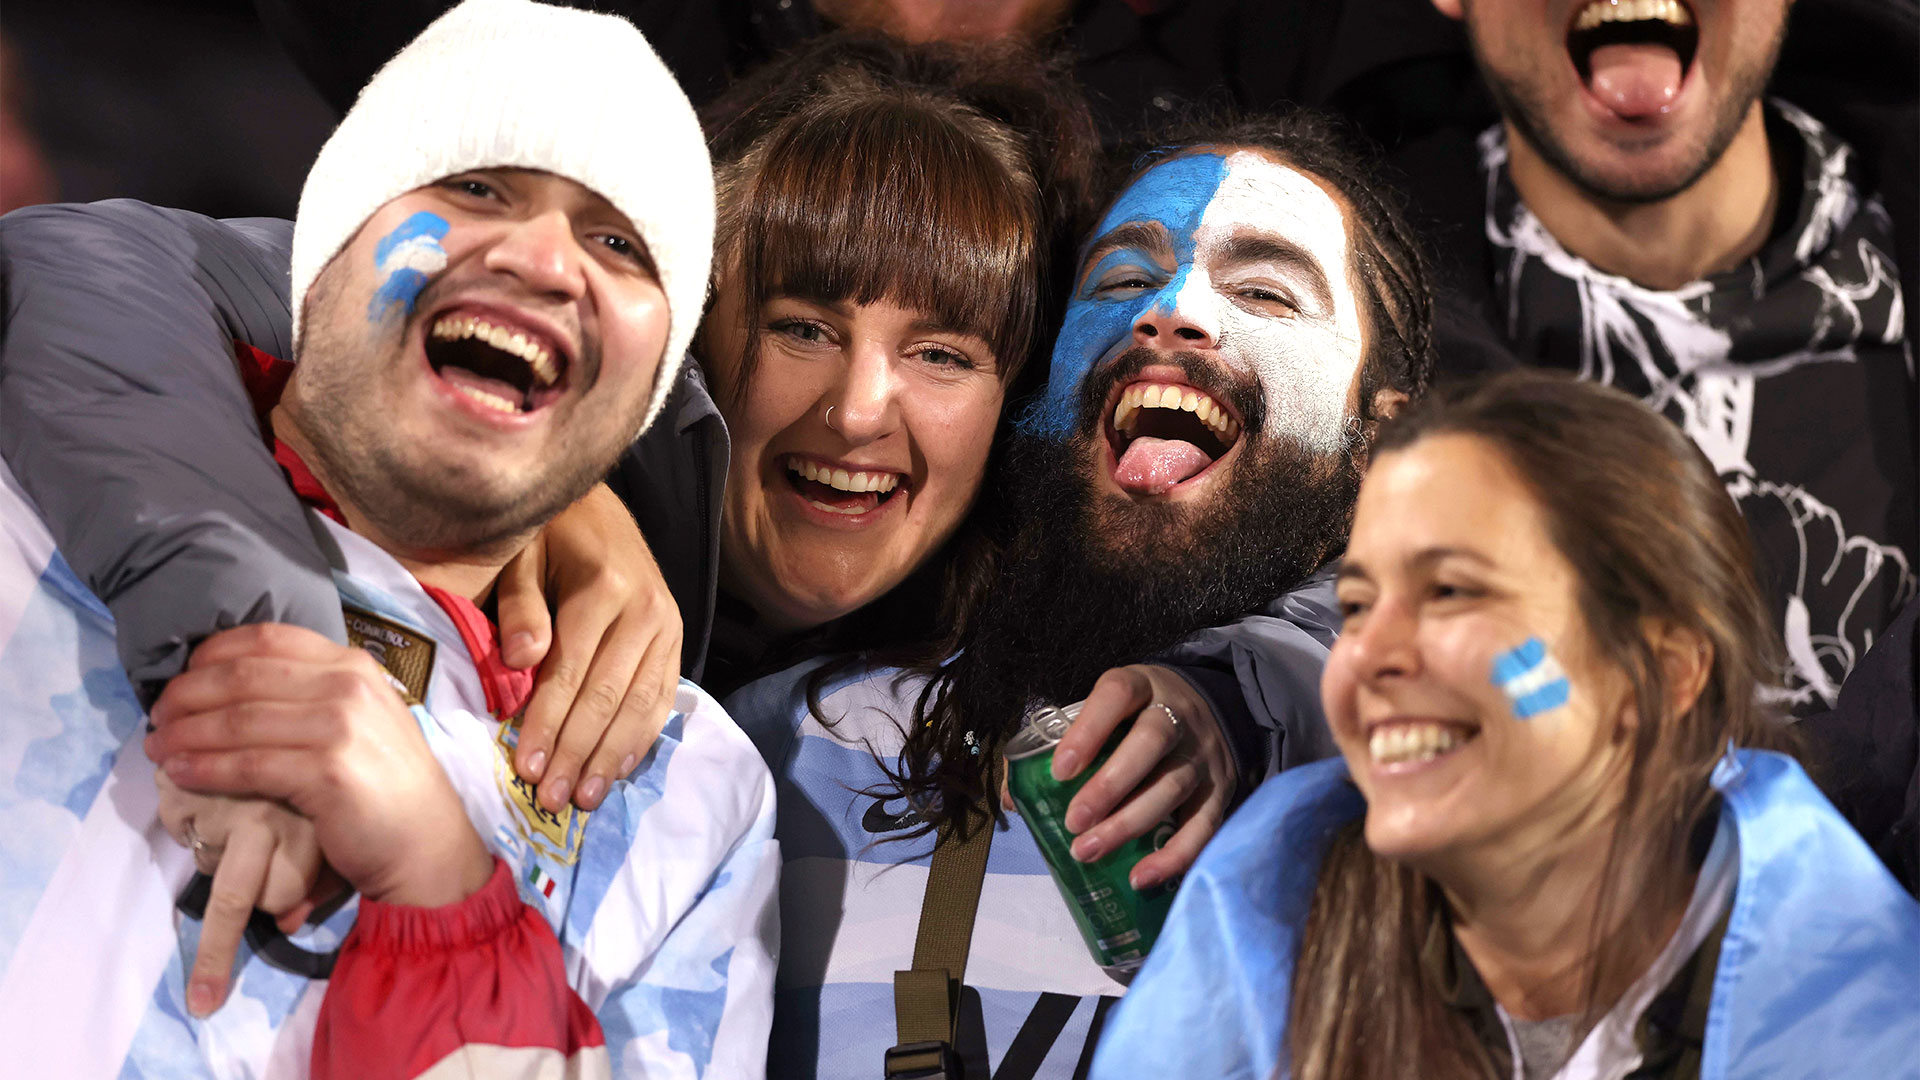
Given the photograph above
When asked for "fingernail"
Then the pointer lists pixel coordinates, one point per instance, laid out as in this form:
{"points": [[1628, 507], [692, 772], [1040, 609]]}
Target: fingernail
{"points": [[1137, 880], [628, 764], [518, 644], [537, 764], [200, 995], [1087, 848], [1076, 820], [562, 788], [1065, 764], [591, 791]]}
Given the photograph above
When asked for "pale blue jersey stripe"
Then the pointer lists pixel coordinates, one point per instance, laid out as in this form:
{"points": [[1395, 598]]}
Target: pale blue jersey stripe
{"points": [[823, 811]]}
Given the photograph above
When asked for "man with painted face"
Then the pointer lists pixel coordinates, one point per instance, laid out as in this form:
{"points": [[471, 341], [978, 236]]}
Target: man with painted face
{"points": [[1640, 214], [459, 246], [1242, 313]]}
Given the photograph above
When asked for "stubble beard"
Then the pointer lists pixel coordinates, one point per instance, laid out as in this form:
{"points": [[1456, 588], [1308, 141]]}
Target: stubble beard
{"points": [[1527, 110], [404, 492]]}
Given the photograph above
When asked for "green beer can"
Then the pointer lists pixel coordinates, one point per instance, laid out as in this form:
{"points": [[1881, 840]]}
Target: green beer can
{"points": [[1118, 923]]}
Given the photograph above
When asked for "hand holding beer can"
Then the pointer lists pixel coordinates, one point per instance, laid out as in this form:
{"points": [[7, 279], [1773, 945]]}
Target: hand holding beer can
{"points": [[1118, 923]]}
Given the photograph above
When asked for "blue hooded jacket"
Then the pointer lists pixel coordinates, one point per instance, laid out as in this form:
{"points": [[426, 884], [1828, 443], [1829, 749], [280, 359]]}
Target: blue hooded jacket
{"points": [[1819, 972]]}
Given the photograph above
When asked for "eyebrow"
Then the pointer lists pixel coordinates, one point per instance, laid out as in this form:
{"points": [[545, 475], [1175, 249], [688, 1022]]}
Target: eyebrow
{"points": [[843, 307], [1422, 558], [1246, 247], [1149, 236]]}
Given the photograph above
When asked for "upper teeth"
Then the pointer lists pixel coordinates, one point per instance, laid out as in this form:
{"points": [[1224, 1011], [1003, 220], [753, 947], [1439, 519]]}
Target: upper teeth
{"points": [[1144, 395], [842, 479], [1396, 743], [537, 355], [1606, 11]]}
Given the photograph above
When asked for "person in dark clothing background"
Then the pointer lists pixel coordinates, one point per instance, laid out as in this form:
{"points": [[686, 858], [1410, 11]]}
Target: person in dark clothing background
{"points": [[1642, 215], [1139, 60], [1756, 287]]}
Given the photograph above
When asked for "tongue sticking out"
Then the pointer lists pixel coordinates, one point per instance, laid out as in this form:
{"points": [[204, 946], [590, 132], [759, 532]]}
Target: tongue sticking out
{"points": [[1150, 466], [1636, 81]]}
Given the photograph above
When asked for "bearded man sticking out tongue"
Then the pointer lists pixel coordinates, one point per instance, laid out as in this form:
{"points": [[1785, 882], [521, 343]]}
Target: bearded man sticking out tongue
{"points": [[1243, 315]]}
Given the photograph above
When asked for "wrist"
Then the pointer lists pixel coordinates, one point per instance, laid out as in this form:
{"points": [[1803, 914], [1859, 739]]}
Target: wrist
{"points": [[491, 910], [447, 877]]}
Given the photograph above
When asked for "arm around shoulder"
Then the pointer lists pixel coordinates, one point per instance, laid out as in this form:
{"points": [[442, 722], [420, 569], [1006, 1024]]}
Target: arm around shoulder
{"points": [[1261, 676], [123, 415]]}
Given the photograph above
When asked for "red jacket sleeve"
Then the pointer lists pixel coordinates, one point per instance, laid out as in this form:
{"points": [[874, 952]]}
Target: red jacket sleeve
{"points": [[472, 989]]}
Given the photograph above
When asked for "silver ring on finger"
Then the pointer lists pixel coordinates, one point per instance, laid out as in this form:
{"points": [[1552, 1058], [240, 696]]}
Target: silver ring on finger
{"points": [[1173, 721], [203, 851]]}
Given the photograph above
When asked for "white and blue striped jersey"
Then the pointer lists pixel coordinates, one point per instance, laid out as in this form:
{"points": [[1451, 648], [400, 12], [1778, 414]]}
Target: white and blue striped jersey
{"points": [[850, 903], [663, 901]]}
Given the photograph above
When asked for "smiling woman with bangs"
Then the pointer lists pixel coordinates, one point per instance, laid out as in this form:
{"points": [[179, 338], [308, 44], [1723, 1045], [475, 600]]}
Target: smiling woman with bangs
{"points": [[880, 256]]}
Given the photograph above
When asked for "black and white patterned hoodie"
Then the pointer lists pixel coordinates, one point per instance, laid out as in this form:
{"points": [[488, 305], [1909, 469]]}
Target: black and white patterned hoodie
{"points": [[1792, 372]]}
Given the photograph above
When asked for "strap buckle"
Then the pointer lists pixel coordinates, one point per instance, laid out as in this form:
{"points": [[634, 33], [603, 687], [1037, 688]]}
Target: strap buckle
{"points": [[923, 1061]]}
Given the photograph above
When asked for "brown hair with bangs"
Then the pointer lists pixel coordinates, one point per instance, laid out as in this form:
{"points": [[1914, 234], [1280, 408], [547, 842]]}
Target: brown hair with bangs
{"points": [[951, 178], [860, 169]]}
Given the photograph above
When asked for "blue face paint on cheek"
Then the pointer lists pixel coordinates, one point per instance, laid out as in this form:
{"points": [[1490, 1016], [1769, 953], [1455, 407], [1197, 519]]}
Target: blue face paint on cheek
{"points": [[1533, 681], [1175, 194], [405, 259]]}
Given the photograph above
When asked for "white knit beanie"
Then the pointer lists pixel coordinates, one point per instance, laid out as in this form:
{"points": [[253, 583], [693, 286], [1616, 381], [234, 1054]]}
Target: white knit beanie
{"points": [[518, 84]]}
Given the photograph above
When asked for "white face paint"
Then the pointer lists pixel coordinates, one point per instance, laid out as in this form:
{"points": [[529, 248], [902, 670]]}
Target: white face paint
{"points": [[1305, 360], [1256, 258]]}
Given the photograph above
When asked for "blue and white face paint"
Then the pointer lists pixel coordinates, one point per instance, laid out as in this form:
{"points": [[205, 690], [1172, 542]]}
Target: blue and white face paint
{"points": [[1232, 231], [406, 258], [1533, 681]]}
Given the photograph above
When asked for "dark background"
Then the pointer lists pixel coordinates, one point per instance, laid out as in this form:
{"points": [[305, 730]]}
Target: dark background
{"points": [[183, 103], [196, 104]]}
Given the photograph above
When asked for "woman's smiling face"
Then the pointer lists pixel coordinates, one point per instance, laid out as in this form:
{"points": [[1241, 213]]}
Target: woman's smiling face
{"points": [[1465, 691], [824, 514]]}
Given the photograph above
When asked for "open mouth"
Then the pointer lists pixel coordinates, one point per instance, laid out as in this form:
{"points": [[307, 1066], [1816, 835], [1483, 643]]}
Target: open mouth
{"points": [[840, 490], [1404, 744], [1633, 55], [506, 369], [1164, 434]]}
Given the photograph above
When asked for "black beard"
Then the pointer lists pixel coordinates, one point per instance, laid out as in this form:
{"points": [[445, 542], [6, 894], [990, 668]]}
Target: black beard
{"points": [[1094, 580]]}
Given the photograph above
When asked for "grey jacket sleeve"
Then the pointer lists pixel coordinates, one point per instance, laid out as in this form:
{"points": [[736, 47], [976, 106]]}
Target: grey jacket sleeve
{"points": [[123, 415], [1261, 677]]}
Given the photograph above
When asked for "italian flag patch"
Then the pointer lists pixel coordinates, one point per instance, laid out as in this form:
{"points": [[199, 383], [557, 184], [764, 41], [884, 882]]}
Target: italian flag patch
{"points": [[541, 881]]}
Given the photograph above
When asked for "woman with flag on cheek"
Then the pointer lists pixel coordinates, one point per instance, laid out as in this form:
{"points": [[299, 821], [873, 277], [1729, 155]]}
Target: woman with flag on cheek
{"points": [[1564, 839]]}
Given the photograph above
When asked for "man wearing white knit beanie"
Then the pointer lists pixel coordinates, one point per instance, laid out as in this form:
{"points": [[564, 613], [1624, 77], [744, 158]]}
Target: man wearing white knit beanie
{"points": [[499, 259]]}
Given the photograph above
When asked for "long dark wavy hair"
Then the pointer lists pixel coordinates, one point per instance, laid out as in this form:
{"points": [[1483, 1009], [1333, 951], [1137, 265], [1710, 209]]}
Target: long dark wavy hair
{"points": [[952, 178], [1653, 538], [949, 763]]}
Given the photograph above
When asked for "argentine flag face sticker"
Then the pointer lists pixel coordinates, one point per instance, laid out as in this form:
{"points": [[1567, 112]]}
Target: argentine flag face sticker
{"points": [[406, 258], [1532, 680]]}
